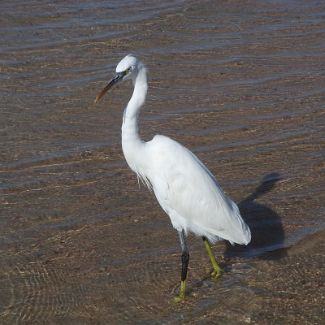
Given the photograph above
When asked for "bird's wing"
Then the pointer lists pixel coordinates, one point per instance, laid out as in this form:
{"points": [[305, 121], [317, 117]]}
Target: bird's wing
{"points": [[190, 194]]}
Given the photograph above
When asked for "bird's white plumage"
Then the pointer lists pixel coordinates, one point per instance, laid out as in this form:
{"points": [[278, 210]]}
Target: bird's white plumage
{"points": [[184, 187], [190, 194], [127, 62]]}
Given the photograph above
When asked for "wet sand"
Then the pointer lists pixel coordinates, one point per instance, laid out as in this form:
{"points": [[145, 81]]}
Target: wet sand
{"points": [[240, 84]]}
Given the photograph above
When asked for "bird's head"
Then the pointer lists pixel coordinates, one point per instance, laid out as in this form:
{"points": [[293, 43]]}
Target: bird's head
{"points": [[126, 69]]}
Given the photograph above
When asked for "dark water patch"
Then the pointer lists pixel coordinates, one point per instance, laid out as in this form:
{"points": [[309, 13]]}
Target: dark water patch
{"points": [[265, 224]]}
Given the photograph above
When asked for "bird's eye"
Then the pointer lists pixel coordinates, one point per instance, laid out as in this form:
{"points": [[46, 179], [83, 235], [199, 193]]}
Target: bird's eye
{"points": [[127, 71]]}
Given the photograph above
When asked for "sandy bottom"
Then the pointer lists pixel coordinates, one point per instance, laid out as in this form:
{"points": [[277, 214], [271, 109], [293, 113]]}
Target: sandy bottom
{"points": [[241, 85]]}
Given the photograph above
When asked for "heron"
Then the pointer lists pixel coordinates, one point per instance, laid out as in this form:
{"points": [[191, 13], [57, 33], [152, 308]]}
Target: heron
{"points": [[184, 187]]}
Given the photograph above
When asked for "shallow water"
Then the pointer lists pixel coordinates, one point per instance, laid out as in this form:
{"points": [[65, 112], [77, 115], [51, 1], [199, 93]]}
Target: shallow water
{"points": [[240, 84]]}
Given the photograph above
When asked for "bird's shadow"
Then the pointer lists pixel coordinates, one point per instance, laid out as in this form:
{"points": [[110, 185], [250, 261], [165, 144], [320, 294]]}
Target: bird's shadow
{"points": [[265, 225]]}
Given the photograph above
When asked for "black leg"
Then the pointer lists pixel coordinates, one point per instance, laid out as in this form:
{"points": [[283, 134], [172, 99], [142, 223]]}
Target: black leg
{"points": [[185, 261]]}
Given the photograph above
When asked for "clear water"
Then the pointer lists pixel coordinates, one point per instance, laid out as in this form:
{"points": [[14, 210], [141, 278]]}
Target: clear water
{"points": [[242, 85]]}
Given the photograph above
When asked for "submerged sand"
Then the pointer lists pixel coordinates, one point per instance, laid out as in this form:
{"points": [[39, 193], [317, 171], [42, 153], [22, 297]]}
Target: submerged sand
{"points": [[240, 84]]}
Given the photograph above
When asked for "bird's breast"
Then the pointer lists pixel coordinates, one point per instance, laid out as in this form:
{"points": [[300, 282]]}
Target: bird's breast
{"points": [[134, 154]]}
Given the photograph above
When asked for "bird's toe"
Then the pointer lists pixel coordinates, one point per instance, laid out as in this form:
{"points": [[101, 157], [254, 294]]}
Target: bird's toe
{"points": [[215, 274], [179, 299]]}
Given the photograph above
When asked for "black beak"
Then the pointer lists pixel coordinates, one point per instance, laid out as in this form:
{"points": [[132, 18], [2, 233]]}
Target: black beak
{"points": [[118, 77]]}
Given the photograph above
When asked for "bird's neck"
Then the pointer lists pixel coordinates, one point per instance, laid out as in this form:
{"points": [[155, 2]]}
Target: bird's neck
{"points": [[131, 142], [131, 112]]}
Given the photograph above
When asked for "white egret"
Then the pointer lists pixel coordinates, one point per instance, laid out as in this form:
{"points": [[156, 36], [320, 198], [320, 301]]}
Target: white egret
{"points": [[183, 186]]}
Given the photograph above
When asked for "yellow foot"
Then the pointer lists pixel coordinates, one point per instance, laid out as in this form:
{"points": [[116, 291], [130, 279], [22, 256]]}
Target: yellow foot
{"points": [[179, 299], [216, 268], [181, 296], [216, 273]]}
